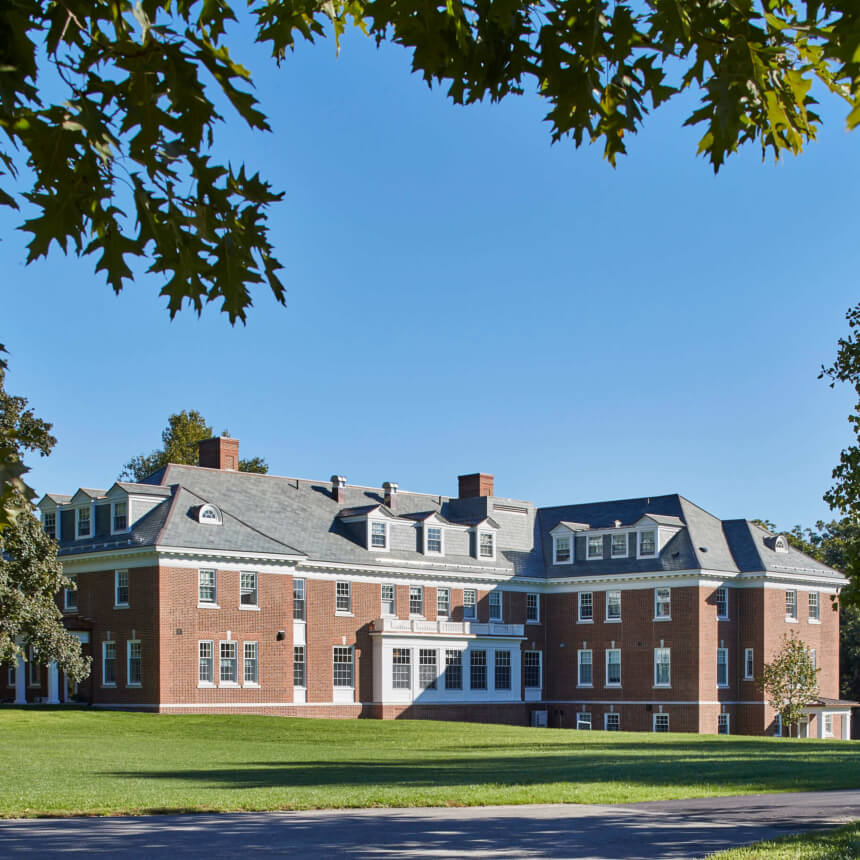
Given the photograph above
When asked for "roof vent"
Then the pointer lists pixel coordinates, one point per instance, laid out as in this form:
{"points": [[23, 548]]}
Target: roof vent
{"points": [[390, 490], [338, 488], [475, 485], [618, 524]]}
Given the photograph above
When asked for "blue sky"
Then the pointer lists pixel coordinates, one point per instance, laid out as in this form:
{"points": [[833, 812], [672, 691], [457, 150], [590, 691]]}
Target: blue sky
{"points": [[464, 296]]}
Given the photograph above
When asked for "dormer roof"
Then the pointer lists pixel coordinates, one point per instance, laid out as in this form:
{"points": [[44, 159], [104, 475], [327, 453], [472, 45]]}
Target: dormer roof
{"points": [[85, 494]]}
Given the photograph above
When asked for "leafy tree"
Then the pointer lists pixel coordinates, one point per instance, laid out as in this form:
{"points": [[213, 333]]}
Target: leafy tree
{"points": [[30, 574], [184, 431], [111, 104], [790, 681]]}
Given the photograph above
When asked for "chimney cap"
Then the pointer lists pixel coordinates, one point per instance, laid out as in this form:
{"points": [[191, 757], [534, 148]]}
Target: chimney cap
{"points": [[338, 480], [390, 487]]}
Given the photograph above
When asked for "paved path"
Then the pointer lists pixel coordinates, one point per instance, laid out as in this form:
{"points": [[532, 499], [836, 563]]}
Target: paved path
{"points": [[640, 831]]}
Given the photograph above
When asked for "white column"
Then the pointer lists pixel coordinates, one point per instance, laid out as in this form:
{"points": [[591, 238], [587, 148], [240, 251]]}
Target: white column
{"points": [[21, 681], [846, 726], [53, 684], [819, 718]]}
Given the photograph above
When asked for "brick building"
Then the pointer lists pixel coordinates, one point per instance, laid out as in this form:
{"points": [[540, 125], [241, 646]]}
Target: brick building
{"points": [[205, 589]]}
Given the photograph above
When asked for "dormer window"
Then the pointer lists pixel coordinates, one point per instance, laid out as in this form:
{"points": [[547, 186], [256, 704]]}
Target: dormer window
{"points": [[595, 546], [378, 535], [209, 515], [486, 545], [619, 545], [50, 524], [433, 540], [780, 544], [84, 524], [647, 543], [561, 550], [120, 516]]}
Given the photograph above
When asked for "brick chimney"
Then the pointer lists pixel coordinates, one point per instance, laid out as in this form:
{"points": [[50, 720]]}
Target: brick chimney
{"points": [[220, 452], [338, 488], [390, 491], [472, 486]]}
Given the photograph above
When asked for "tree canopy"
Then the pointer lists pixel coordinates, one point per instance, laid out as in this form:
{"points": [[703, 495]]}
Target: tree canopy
{"points": [[184, 431], [790, 681], [111, 104]]}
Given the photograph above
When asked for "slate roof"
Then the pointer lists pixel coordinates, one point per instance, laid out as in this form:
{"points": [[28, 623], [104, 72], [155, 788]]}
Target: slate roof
{"points": [[142, 489], [752, 553]]}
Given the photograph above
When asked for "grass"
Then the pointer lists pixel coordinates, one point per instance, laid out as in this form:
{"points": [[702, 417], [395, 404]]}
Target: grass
{"points": [[65, 762], [840, 844]]}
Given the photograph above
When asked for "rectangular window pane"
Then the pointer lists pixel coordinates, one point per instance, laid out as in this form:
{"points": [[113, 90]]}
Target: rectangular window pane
{"points": [[613, 722], [108, 663], [342, 663], [84, 522], [647, 543], [121, 597], [813, 606], [722, 603], [662, 603], [613, 667], [583, 721], [791, 604], [723, 724], [531, 669], [416, 599], [613, 605], [299, 678], [495, 606], [343, 592], [619, 548], [377, 535], [562, 550], [71, 594], [478, 670], [443, 602], [453, 670], [427, 670], [434, 539], [120, 516], [586, 673], [586, 606], [661, 722], [486, 544], [227, 663], [470, 601], [595, 546], [662, 667], [51, 524], [503, 670], [389, 605], [206, 591], [298, 600], [722, 667], [401, 668], [133, 663], [204, 663], [248, 589], [748, 663], [250, 650], [533, 607]]}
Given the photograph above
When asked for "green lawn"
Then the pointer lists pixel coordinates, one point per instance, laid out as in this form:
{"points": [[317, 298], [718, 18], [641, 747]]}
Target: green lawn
{"points": [[60, 762], [840, 844]]}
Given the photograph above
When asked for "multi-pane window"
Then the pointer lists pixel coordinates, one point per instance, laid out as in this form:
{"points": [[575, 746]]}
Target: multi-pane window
{"points": [[662, 667], [207, 590], [299, 675], [247, 589], [205, 667], [612, 722], [827, 729], [613, 667], [533, 607], [503, 670], [648, 543], [70, 594], [342, 666], [108, 664], [416, 600], [748, 664], [83, 522], [562, 550], [586, 606], [389, 601], [613, 605], [401, 668], [427, 670], [378, 536], [813, 606], [478, 670], [343, 596], [661, 722], [470, 602], [120, 516], [299, 600], [619, 547], [791, 604], [250, 655], [595, 546], [722, 667], [51, 524], [434, 539], [531, 669], [662, 603], [495, 606], [121, 588], [722, 724], [228, 669], [453, 670], [722, 603], [443, 602], [813, 659], [585, 676], [583, 721], [485, 545], [133, 674]]}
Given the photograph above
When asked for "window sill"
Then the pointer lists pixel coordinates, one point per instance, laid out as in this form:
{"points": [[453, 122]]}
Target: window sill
{"points": [[813, 621], [789, 620], [231, 684], [533, 623], [723, 686], [749, 678], [249, 608], [251, 685], [341, 614], [585, 621], [662, 687], [206, 685], [585, 686], [208, 606], [120, 606], [662, 618], [723, 618], [415, 617], [611, 620], [108, 686], [616, 557], [612, 686], [300, 621], [71, 610], [133, 686]]}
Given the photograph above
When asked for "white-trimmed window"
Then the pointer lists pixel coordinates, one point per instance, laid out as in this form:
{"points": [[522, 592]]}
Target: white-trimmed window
{"points": [[533, 608], [722, 667], [342, 666], [119, 517], [299, 599], [108, 664], [433, 536], [503, 670], [443, 602], [209, 515], [470, 603], [585, 669], [378, 535], [478, 669], [133, 656], [70, 595], [749, 665], [647, 543], [427, 668], [228, 663], [813, 658], [561, 550], [495, 606], [532, 669], [827, 728], [791, 606], [722, 600], [453, 669], [207, 587], [343, 596], [205, 662], [49, 523], [613, 667], [612, 722], [120, 582], [613, 605], [619, 546], [661, 722], [251, 663], [389, 600], [247, 589], [416, 600], [486, 545], [299, 675], [813, 606], [401, 668], [84, 523], [586, 606], [595, 546], [662, 604], [662, 667], [583, 721], [723, 724]]}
